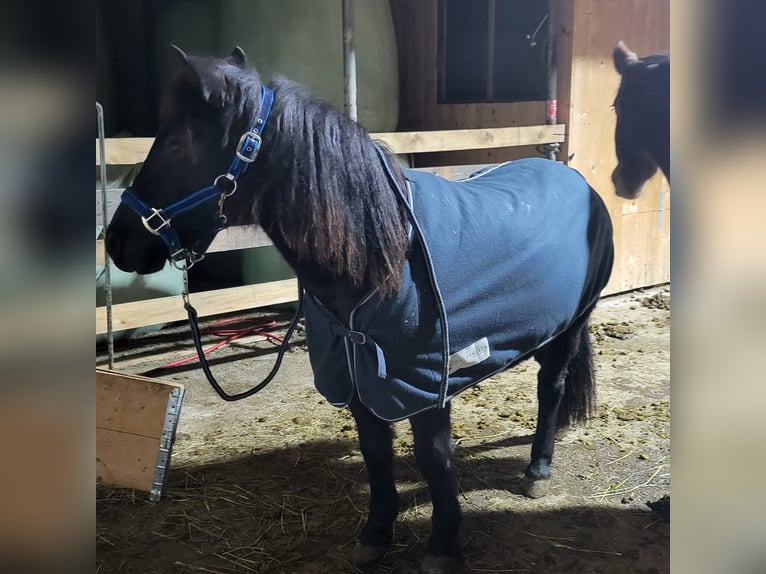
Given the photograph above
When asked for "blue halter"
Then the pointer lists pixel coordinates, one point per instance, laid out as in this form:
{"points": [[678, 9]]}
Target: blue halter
{"points": [[158, 221]]}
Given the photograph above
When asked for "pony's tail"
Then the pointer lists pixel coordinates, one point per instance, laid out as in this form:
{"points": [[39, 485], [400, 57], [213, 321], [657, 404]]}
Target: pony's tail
{"points": [[580, 387]]}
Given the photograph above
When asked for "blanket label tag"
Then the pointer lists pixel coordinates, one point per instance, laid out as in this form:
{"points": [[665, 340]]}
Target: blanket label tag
{"points": [[472, 355]]}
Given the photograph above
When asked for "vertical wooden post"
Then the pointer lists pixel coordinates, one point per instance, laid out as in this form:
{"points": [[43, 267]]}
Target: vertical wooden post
{"points": [[349, 60]]}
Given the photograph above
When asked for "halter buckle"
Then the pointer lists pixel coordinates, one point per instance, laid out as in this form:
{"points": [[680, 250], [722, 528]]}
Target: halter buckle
{"points": [[163, 222], [251, 150]]}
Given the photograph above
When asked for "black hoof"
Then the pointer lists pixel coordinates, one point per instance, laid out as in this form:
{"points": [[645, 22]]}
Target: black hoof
{"points": [[534, 488], [364, 554], [440, 565]]}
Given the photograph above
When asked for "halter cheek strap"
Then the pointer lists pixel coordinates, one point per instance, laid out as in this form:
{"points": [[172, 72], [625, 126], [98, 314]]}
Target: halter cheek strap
{"points": [[159, 221]]}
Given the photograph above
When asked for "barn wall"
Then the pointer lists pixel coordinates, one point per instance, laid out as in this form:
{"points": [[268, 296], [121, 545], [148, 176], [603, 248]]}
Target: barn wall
{"points": [[642, 227], [587, 85], [416, 25]]}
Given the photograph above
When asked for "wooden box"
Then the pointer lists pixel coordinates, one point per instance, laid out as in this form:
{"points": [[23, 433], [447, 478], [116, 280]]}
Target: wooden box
{"points": [[136, 421]]}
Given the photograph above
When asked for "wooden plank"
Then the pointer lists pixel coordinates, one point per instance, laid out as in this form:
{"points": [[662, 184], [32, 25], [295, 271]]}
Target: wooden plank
{"points": [[130, 415], [131, 403], [125, 460], [230, 239], [642, 249], [125, 151], [452, 140], [250, 236], [122, 151], [113, 201], [169, 309], [100, 258], [454, 172]]}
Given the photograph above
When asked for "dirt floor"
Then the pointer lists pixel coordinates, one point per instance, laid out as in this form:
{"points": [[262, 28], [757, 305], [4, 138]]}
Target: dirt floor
{"points": [[276, 483]]}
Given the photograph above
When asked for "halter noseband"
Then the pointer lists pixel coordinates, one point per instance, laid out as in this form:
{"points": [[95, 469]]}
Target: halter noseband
{"points": [[159, 221]]}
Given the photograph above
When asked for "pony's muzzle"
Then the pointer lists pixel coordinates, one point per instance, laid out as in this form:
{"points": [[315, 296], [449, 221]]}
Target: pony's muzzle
{"points": [[113, 244]]}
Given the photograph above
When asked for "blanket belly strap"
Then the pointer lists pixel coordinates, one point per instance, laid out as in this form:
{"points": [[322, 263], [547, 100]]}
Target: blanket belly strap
{"points": [[357, 338]]}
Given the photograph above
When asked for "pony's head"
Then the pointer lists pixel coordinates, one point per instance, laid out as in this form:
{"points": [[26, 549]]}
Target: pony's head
{"points": [[200, 125], [642, 113]]}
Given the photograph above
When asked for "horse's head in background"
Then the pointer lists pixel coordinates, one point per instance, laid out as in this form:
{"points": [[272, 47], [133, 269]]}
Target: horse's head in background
{"points": [[198, 132], [642, 106]]}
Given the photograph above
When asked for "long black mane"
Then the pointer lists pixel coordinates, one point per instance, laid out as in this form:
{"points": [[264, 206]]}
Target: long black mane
{"points": [[318, 186]]}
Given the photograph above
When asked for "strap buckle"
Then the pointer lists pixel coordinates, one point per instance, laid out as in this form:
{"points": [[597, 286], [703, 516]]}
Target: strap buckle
{"points": [[247, 151], [357, 338], [163, 222]]}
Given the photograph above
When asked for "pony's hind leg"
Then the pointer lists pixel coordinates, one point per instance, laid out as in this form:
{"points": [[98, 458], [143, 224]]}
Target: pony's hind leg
{"points": [[433, 451], [565, 392], [376, 443]]}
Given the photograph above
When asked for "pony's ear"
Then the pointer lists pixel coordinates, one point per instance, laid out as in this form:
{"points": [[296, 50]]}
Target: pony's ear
{"points": [[623, 57], [238, 57], [181, 53], [203, 76]]}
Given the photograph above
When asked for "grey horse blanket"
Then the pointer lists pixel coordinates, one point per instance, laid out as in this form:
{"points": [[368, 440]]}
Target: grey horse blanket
{"points": [[519, 252]]}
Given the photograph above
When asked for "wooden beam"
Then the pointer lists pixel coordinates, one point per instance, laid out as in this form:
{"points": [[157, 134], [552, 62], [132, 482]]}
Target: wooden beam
{"points": [[454, 172], [453, 140], [230, 239], [169, 309], [249, 236], [126, 151]]}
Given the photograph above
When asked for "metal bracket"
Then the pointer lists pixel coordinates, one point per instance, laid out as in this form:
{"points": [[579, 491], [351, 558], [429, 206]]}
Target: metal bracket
{"points": [[551, 150], [163, 222], [172, 413]]}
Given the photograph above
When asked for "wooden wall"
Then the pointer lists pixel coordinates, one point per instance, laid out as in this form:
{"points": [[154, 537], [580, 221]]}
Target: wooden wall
{"points": [[642, 227], [587, 85], [416, 26]]}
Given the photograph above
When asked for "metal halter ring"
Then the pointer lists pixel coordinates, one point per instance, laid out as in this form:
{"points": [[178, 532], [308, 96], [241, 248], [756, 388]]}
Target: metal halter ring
{"points": [[231, 179], [187, 261], [155, 213], [256, 146]]}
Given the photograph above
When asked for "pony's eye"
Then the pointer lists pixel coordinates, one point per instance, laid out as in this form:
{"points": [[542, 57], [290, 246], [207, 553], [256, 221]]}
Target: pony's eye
{"points": [[174, 147]]}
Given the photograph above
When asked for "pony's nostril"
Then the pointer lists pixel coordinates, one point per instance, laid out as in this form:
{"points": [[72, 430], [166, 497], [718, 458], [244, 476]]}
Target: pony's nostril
{"points": [[113, 244]]}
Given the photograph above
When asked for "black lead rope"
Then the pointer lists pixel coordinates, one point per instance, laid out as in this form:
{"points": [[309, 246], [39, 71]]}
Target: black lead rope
{"points": [[193, 324]]}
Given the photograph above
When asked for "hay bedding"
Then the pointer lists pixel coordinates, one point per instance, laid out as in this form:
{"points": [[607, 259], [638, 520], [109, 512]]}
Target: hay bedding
{"points": [[252, 489]]}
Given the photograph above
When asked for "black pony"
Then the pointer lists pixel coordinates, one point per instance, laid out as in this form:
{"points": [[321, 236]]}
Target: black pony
{"points": [[384, 271], [642, 134]]}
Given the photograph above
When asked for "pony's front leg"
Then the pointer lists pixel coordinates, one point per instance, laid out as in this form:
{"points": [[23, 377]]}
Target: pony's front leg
{"points": [[376, 443], [433, 451]]}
